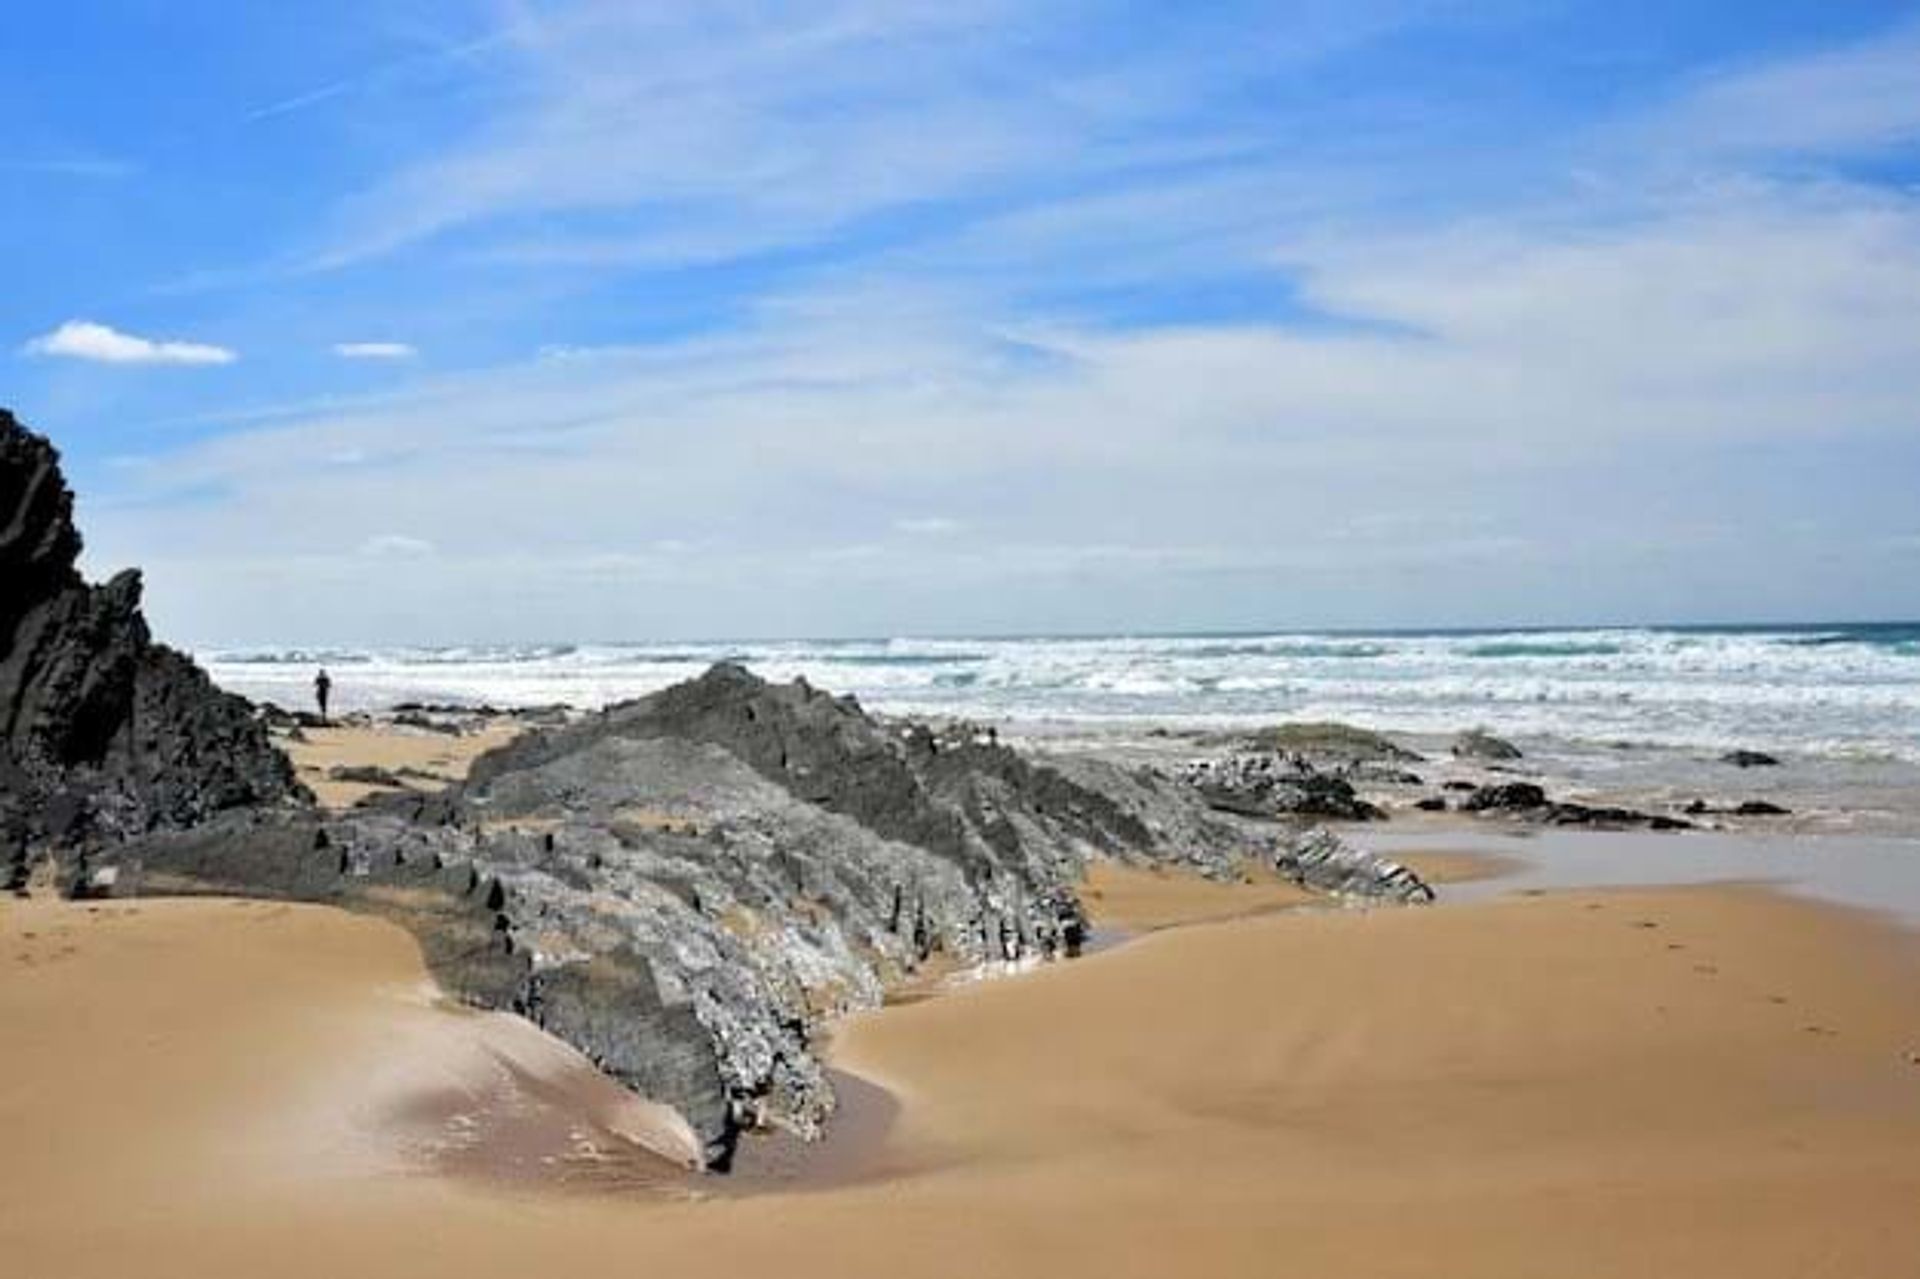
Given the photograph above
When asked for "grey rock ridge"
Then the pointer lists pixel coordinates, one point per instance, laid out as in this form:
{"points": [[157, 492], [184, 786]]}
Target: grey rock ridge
{"points": [[104, 734], [1263, 784], [688, 886]]}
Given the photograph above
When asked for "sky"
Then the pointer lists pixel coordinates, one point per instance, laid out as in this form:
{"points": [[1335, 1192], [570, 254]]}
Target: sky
{"points": [[437, 322]]}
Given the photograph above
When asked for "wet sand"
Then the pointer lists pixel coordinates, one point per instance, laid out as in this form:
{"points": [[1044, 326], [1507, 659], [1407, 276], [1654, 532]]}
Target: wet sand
{"points": [[1702, 1081]]}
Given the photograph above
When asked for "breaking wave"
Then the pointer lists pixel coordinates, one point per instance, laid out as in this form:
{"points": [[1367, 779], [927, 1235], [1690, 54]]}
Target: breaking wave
{"points": [[1844, 691]]}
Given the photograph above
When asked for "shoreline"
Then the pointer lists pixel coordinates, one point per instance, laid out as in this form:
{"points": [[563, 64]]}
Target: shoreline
{"points": [[425, 748]]}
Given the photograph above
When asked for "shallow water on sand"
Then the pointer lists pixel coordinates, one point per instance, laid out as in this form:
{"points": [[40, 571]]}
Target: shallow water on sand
{"points": [[1865, 872]]}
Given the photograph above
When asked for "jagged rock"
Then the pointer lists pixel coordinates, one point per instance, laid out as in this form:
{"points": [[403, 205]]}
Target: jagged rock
{"points": [[1319, 860], [103, 733], [1273, 785], [1749, 759], [1477, 743]]}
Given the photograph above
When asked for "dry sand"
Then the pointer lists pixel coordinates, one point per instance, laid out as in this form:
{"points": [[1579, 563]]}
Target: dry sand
{"points": [[433, 759], [1691, 1083]]}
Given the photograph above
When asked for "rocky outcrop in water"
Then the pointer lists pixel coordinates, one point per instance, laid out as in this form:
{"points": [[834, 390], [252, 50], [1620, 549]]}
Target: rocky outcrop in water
{"points": [[1479, 744], [104, 734], [1530, 801], [1276, 785]]}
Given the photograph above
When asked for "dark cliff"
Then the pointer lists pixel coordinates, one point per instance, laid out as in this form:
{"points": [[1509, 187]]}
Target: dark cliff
{"points": [[104, 734]]}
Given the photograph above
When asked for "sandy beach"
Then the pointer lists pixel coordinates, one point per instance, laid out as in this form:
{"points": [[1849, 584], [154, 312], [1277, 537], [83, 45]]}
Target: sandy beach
{"points": [[1709, 1081], [418, 758]]}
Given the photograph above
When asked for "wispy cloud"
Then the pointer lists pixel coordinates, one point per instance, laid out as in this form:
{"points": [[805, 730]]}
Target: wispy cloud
{"points": [[93, 168], [374, 350], [645, 135], [384, 73], [86, 340], [1862, 95]]}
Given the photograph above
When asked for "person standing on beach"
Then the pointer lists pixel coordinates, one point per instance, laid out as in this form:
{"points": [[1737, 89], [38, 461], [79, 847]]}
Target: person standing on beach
{"points": [[322, 685]]}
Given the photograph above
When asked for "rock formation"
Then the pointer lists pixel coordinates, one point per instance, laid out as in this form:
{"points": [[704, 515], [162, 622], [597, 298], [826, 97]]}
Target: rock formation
{"points": [[103, 733], [1275, 785], [687, 886]]}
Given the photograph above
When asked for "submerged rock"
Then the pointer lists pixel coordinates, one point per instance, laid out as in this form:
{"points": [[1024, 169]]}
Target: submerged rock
{"points": [[1327, 743], [1749, 759], [1477, 743]]}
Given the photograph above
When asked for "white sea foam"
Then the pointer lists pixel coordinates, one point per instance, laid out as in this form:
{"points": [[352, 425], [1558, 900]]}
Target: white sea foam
{"points": [[1841, 691]]}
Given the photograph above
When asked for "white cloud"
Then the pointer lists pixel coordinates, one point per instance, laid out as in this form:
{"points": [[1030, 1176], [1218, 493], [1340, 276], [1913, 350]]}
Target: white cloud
{"points": [[927, 525], [86, 340], [374, 350], [396, 546], [1555, 382]]}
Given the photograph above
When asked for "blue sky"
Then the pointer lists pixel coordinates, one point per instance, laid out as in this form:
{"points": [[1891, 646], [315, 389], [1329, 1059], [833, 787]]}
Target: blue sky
{"points": [[598, 319]]}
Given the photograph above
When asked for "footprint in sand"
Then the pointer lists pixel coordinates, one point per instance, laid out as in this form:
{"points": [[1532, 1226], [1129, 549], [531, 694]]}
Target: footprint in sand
{"points": [[1674, 945], [1707, 969], [1824, 1031], [1776, 999], [1645, 923]]}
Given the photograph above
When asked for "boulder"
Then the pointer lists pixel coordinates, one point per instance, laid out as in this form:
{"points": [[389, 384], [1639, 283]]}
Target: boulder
{"points": [[1477, 743], [1504, 797]]}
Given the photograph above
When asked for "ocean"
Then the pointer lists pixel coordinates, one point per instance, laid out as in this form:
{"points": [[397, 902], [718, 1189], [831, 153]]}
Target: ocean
{"points": [[1844, 691]]}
